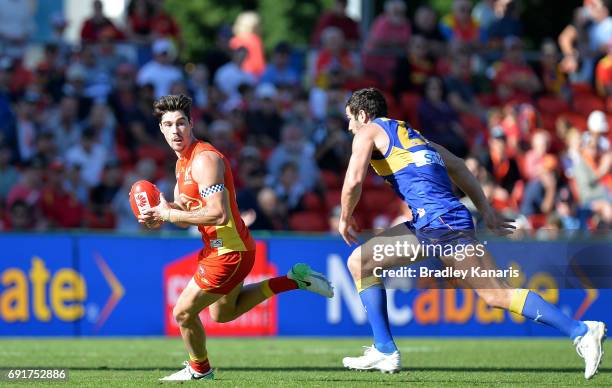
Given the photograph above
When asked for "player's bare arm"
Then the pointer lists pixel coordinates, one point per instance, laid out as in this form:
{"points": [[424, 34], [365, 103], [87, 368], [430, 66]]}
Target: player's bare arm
{"points": [[363, 144], [463, 178], [208, 172]]}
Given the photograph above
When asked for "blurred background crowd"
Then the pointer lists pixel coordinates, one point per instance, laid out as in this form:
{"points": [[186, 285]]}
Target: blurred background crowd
{"points": [[76, 124]]}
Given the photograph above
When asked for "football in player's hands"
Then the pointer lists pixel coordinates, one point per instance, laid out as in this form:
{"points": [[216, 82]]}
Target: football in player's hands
{"points": [[143, 196]]}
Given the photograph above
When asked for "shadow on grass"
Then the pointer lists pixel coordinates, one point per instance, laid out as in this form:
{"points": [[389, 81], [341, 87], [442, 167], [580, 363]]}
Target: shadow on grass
{"points": [[337, 369]]}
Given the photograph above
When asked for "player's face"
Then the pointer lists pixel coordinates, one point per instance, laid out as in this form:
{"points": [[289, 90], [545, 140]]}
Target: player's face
{"points": [[177, 130], [355, 123]]}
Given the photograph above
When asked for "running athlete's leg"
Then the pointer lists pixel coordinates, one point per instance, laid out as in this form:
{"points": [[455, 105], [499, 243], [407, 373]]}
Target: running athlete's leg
{"points": [[362, 264], [497, 293], [190, 303], [239, 301], [244, 297]]}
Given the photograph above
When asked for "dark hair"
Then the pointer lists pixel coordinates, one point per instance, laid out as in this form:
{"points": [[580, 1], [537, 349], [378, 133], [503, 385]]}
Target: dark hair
{"points": [[172, 103], [369, 100]]}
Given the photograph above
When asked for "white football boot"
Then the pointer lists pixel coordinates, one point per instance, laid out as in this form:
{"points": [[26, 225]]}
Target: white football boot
{"points": [[187, 373], [373, 359], [590, 347], [309, 280]]}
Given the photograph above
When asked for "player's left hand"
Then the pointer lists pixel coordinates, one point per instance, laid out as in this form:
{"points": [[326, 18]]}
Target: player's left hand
{"points": [[151, 218], [346, 227], [497, 223]]}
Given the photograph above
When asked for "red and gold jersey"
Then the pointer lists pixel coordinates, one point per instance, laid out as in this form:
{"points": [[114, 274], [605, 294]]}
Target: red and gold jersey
{"points": [[219, 240]]}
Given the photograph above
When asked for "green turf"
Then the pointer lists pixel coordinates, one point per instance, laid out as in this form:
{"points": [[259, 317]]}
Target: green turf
{"points": [[307, 362]]}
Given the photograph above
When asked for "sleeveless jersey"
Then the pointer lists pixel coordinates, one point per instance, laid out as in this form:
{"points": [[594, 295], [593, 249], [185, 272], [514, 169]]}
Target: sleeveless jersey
{"points": [[231, 237], [416, 172]]}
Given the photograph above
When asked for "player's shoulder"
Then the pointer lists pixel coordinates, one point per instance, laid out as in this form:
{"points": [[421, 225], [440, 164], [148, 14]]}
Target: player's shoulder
{"points": [[207, 157]]}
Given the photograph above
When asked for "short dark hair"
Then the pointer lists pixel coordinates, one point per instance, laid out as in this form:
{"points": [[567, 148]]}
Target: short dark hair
{"points": [[369, 100], [172, 103]]}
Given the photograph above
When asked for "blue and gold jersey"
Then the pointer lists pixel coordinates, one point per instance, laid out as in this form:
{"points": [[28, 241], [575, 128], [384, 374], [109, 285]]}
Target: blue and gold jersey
{"points": [[416, 171]]}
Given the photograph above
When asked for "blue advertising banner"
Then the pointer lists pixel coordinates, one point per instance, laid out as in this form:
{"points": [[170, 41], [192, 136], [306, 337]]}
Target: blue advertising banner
{"points": [[41, 292], [87, 284]]}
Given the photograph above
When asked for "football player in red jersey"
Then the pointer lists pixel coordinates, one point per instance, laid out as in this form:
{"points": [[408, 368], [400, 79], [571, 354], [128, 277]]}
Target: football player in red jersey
{"points": [[205, 196]]}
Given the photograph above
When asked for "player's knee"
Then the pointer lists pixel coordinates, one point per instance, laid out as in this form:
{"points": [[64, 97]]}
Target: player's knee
{"points": [[354, 263], [182, 316]]}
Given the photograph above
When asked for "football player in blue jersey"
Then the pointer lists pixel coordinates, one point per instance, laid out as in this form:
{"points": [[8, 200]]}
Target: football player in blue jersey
{"points": [[421, 173]]}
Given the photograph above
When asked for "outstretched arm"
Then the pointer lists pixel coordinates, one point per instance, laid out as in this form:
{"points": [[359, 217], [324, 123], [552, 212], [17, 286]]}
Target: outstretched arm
{"points": [[463, 178], [353, 180]]}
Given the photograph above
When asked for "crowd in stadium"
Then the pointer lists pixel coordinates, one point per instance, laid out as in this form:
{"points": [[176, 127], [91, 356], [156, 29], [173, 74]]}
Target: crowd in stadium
{"points": [[76, 129]]}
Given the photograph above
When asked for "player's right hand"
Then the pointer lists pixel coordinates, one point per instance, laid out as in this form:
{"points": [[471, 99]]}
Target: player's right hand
{"points": [[346, 229]]}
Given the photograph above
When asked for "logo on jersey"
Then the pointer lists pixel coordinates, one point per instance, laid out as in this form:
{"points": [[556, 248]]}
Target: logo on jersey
{"points": [[190, 202], [427, 157], [421, 212], [142, 201], [188, 179], [216, 243]]}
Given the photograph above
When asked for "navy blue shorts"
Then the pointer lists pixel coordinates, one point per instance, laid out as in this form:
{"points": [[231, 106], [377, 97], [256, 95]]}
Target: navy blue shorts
{"points": [[454, 226]]}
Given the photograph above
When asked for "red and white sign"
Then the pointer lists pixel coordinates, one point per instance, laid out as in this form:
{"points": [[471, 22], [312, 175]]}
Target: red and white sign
{"points": [[261, 320]]}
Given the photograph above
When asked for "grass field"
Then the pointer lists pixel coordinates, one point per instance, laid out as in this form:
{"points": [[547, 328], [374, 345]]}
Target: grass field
{"points": [[307, 362]]}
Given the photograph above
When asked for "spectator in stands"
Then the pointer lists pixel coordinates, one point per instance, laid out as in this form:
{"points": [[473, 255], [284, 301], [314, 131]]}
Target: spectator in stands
{"points": [[102, 122], [272, 208], [220, 54], [506, 24], [460, 25], [539, 170], [58, 28], [26, 127], [554, 80], [280, 72], [160, 72], [582, 166], [484, 13], [603, 74], [388, 37], [75, 87], [333, 57], [247, 34], [460, 85], [64, 124], [49, 73], [61, 207], [231, 75], [413, 69], [74, 183], [46, 148], [439, 122], [294, 148], [503, 168], [107, 56], [333, 99], [586, 39], [263, 119], [21, 217], [289, 188], [163, 24], [426, 25], [138, 26], [112, 179], [597, 125], [9, 175], [333, 144], [336, 17], [16, 26], [98, 22], [28, 189], [514, 79], [90, 155]]}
